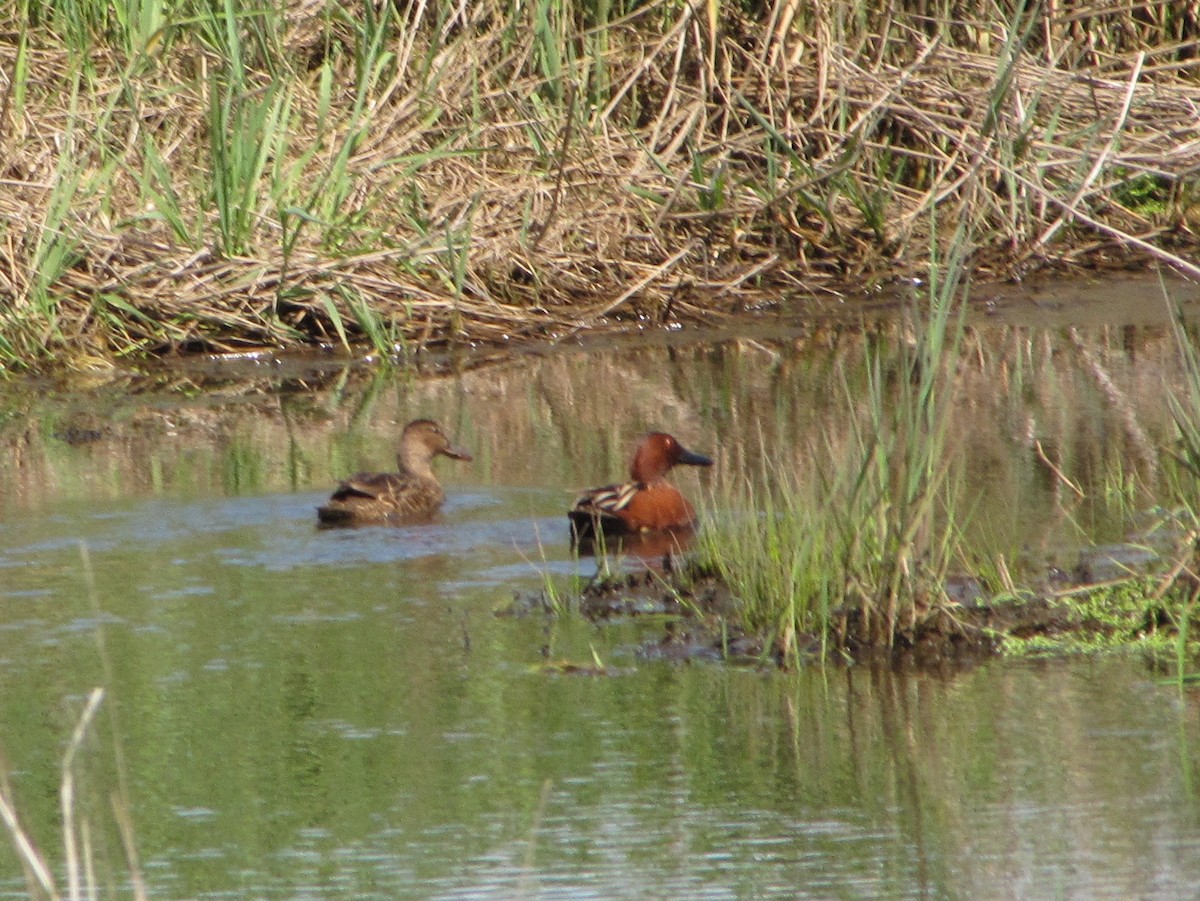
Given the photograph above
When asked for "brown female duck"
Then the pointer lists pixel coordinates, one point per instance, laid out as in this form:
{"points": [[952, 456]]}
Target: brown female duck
{"points": [[391, 497]]}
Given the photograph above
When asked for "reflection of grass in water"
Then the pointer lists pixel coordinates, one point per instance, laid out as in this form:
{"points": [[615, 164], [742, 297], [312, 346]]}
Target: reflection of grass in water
{"points": [[875, 524], [243, 467]]}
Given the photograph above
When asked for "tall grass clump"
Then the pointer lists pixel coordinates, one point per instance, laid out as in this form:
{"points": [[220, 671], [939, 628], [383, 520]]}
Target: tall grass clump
{"points": [[1184, 484], [1184, 402], [852, 539]]}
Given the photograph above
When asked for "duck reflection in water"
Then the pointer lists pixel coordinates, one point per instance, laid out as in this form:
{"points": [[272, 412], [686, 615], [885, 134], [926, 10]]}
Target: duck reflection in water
{"points": [[390, 498], [647, 515]]}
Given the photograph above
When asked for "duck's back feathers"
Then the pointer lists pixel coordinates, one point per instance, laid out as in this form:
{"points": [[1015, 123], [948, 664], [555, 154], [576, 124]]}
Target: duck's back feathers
{"points": [[373, 497], [598, 510]]}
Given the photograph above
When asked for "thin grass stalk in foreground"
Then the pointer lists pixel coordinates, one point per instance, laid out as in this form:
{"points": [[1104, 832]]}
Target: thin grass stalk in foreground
{"points": [[80, 874], [67, 794], [37, 873], [1183, 650]]}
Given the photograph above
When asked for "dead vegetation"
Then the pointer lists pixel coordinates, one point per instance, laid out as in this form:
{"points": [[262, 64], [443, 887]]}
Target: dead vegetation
{"points": [[424, 173]]}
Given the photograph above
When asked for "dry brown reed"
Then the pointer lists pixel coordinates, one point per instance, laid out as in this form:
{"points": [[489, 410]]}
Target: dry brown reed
{"points": [[679, 163]]}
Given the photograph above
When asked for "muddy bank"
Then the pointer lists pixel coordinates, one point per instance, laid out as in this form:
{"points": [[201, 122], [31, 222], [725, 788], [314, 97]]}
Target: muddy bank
{"points": [[700, 619], [1141, 296]]}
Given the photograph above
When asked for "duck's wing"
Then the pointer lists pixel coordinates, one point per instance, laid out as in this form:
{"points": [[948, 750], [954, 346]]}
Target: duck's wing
{"points": [[369, 485], [609, 499], [599, 509]]}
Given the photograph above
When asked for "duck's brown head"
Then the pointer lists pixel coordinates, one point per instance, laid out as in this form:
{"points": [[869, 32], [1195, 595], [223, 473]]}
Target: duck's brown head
{"points": [[421, 441], [657, 453]]}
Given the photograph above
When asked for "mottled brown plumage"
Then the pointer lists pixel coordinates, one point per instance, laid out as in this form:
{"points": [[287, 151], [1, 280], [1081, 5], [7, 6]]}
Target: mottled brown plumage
{"points": [[413, 493]]}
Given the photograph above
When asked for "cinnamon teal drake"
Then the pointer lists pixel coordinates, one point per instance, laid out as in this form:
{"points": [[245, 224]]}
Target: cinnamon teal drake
{"points": [[646, 503], [413, 493]]}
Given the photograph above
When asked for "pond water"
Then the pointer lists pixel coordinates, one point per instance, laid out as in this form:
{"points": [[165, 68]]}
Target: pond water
{"points": [[296, 713]]}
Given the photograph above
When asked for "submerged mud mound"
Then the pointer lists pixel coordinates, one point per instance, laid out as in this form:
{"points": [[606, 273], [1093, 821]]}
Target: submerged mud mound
{"points": [[956, 634]]}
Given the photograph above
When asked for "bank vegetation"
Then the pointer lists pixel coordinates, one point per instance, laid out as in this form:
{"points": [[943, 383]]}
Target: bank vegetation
{"points": [[220, 176]]}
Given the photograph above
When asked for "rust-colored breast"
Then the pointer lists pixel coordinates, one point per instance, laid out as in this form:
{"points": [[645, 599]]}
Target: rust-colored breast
{"points": [[657, 506]]}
